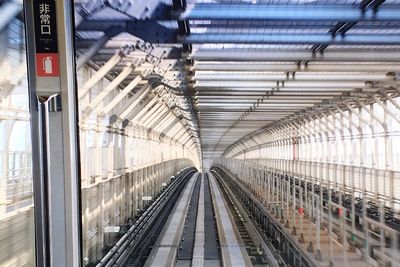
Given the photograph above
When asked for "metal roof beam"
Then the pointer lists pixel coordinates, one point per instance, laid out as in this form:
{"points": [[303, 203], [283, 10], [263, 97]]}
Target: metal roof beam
{"points": [[296, 55], [294, 67], [149, 9], [374, 4], [156, 110], [121, 95], [298, 76], [86, 9], [100, 24], [292, 38], [151, 31], [160, 119], [9, 11], [137, 104], [107, 90], [288, 12], [169, 127], [96, 46], [268, 85], [106, 68], [147, 106]]}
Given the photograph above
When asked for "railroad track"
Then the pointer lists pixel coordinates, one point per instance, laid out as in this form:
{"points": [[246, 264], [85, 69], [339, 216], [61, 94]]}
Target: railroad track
{"points": [[132, 249], [201, 230], [254, 250]]}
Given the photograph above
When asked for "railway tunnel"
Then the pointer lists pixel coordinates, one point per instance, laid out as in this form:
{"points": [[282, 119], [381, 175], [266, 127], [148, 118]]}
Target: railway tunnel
{"points": [[200, 133]]}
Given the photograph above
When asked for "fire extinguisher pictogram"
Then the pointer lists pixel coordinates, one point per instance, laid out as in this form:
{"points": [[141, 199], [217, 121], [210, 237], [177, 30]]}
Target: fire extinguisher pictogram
{"points": [[48, 65]]}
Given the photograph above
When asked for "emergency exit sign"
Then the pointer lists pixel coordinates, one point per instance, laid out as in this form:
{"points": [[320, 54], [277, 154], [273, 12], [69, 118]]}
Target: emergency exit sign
{"points": [[47, 59]]}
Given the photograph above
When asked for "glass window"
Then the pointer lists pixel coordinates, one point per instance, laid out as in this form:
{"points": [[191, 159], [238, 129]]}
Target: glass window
{"points": [[16, 193]]}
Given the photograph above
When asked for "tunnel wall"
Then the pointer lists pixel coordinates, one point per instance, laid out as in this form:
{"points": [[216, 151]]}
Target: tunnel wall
{"points": [[116, 141], [361, 136], [350, 147], [112, 201], [124, 155]]}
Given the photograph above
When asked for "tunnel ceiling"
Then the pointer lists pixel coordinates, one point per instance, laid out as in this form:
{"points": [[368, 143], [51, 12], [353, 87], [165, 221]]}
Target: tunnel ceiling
{"points": [[242, 65]]}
